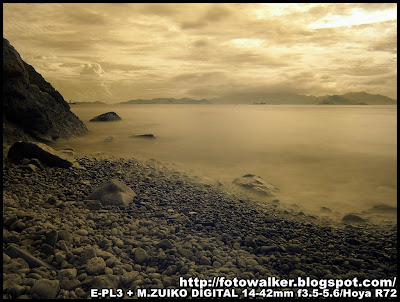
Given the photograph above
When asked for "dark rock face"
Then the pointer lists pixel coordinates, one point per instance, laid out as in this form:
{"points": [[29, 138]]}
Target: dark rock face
{"points": [[256, 184], [106, 117], [42, 152], [32, 108]]}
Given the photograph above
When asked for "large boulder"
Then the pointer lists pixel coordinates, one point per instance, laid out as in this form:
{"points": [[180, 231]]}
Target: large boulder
{"points": [[45, 154], [32, 109], [352, 218], [113, 192], [106, 117], [256, 184]]}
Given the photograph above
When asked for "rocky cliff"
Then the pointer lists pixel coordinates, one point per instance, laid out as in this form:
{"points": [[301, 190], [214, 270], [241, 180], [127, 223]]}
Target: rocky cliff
{"points": [[32, 109]]}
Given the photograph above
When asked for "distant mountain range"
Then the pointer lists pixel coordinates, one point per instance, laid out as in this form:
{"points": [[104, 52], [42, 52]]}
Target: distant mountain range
{"points": [[340, 100], [370, 99], [352, 98]]}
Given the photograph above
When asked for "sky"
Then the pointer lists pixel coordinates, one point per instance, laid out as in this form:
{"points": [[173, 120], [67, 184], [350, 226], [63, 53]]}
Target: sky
{"points": [[115, 52]]}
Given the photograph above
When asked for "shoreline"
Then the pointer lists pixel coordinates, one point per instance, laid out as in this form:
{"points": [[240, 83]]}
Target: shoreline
{"points": [[175, 227]]}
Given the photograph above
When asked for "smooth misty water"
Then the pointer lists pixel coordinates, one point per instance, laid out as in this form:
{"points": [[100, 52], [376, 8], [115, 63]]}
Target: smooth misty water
{"points": [[341, 157]]}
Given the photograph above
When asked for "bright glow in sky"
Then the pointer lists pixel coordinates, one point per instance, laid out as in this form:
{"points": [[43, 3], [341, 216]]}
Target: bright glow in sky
{"points": [[357, 17], [114, 52]]}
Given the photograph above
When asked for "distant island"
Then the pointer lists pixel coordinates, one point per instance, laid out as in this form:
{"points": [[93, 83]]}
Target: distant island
{"points": [[352, 98], [87, 103], [168, 101]]}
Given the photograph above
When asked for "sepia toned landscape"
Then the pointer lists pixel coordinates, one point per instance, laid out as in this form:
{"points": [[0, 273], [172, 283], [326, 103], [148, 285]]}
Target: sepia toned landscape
{"points": [[148, 145]]}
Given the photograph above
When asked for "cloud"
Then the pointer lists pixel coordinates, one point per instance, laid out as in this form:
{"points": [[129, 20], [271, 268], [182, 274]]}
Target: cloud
{"points": [[124, 51], [92, 70]]}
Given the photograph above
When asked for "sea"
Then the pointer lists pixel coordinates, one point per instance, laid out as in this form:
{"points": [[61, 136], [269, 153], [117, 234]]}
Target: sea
{"points": [[340, 157]]}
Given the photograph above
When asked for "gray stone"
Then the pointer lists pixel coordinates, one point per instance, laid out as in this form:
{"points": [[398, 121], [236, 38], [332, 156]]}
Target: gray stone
{"points": [[140, 255], [185, 253], [128, 277], [171, 269], [18, 226], [32, 168], [36, 162], [266, 249], [294, 248], [70, 284], [165, 244], [204, 261], [68, 273], [51, 237], [45, 289], [16, 290], [93, 204], [104, 281], [65, 235], [95, 266], [6, 259], [113, 192], [10, 280], [82, 232]]}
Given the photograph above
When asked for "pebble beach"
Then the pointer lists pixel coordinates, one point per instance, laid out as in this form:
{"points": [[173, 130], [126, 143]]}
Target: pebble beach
{"points": [[175, 227]]}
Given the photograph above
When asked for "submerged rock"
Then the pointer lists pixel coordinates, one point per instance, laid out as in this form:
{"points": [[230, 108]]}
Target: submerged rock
{"points": [[113, 192], [106, 117], [109, 139], [256, 184], [148, 135], [382, 209]]}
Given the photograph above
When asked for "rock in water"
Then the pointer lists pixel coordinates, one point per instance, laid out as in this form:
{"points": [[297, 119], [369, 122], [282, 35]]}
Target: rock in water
{"points": [[351, 218], [32, 108], [109, 139], [148, 135], [382, 209], [42, 152], [106, 117], [256, 184], [113, 192]]}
